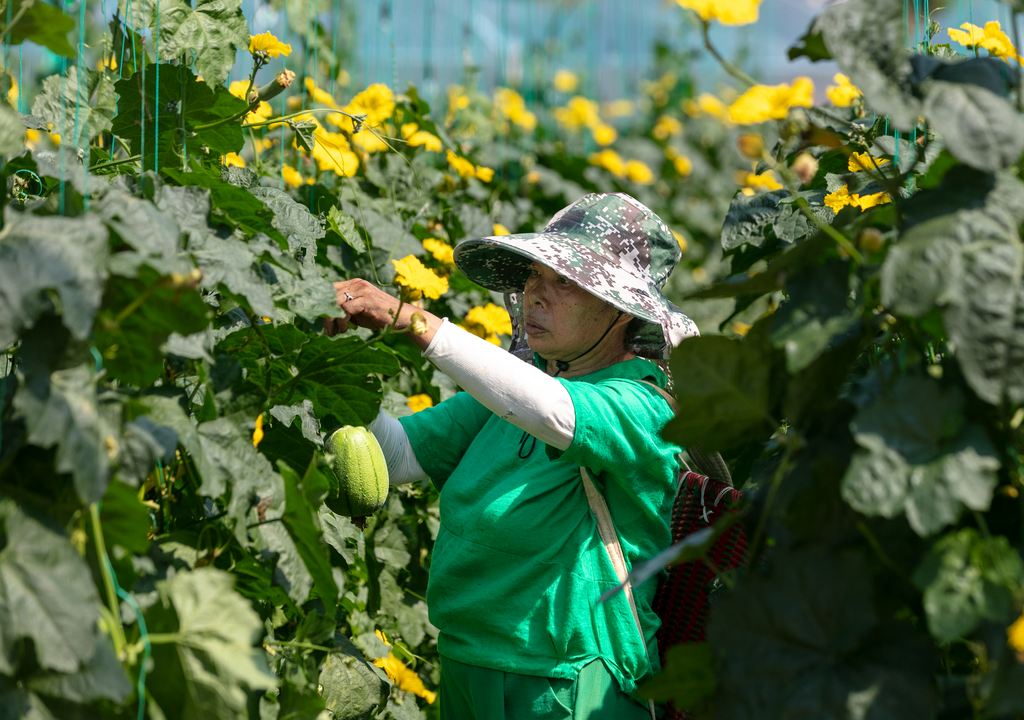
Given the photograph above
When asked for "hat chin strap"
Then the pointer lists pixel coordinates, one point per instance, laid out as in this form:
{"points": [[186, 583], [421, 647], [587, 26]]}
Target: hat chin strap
{"points": [[563, 365]]}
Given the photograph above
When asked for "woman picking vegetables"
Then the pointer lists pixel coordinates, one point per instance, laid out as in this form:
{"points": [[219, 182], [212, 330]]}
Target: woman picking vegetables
{"points": [[518, 565]]}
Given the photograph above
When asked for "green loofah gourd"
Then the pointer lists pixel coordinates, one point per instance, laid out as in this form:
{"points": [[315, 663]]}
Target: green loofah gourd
{"points": [[361, 472]]}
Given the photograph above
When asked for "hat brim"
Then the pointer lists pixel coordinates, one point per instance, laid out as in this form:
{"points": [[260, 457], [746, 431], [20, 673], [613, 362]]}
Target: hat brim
{"points": [[502, 263]]}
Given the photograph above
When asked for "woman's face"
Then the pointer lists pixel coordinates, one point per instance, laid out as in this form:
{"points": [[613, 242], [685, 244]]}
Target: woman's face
{"points": [[562, 319]]}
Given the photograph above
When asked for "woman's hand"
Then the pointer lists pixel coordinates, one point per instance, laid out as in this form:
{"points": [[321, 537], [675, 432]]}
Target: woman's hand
{"points": [[368, 306]]}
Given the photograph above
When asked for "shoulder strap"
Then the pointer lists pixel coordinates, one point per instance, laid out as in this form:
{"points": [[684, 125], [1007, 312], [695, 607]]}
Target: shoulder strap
{"points": [[712, 464], [610, 540]]}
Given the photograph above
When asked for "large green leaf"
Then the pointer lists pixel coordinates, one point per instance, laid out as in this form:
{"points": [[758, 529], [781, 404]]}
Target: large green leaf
{"points": [[966, 579], [310, 298], [229, 264], [46, 595], [803, 641], [214, 29], [918, 456], [61, 409], [979, 128], [153, 236], [819, 309], [102, 678], [294, 221], [67, 103], [303, 497], [748, 217], [352, 688], [125, 519], [726, 398], [866, 39], [136, 319], [12, 132], [207, 661], [687, 678], [42, 24], [43, 255], [185, 104]]}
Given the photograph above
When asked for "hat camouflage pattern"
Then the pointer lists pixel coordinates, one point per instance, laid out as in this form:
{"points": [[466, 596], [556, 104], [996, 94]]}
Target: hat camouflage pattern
{"points": [[609, 244]]}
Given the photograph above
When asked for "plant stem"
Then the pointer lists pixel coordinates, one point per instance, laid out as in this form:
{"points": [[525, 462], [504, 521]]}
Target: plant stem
{"points": [[112, 163], [726, 65], [1020, 73], [132, 306], [283, 118], [117, 631]]}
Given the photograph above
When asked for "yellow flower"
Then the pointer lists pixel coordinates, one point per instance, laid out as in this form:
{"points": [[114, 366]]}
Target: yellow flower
{"points": [[268, 44], [843, 93], [706, 104], [414, 137], [727, 12], [666, 127], [533, 177], [291, 176], [12, 94], [991, 38], [610, 161], [619, 108], [376, 102], [257, 434], [499, 229], [771, 102], [419, 402], [638, 172], [457, 100], [396, 670], [410, 273], [680, 239], [332, 152], [1015, 634], [491, 319], [484, 174], [863, 161], [319, 95], [232, 160], [578, 113], [683, 165], [741, 328], [511, 106], [442, 252], [842, 197], [369, 141], [32, 138], [604, 134], [869, 201], [462, 166], [699, 274], [566, 81], [767, 181]]}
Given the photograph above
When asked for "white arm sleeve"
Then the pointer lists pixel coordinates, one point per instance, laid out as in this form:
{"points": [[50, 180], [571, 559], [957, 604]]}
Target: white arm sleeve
{"points": [[510, 388], [398, 454]]}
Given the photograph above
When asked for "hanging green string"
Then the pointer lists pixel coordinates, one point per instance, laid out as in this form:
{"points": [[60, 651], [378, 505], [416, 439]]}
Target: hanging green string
{"points": [[7, 45], [284, 95], [428, 51], [394, 54], [156, 101], [62, 128], [76, 134]]}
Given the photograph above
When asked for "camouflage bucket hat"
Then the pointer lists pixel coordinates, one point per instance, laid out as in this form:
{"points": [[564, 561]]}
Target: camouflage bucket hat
{"points": [[610, 245]]}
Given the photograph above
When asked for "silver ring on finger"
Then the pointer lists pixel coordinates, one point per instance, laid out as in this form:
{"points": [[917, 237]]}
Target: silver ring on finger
{"points": [[349, 297]]}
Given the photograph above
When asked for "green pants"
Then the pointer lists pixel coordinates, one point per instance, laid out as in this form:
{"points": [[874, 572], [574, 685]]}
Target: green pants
{"points": [[475, 693]]}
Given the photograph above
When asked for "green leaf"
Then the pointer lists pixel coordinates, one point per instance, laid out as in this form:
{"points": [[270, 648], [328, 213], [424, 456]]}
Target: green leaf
{"points": [[242, 177], [185, 103], [771, 278], [229, 265], [981, 129], [310, 297], [687, 678], [345, 226], [125, 519], [46, 595], [966, 579], [810, 46], [62, 410], [303, 497], [352, 687], [214, 29], [726, 398], [803, 641], [12, 131], [235, 206], [44, 25], [818, 310], [67, 103], [918, 456], [20, 703], [304, 133], [340, 534], [294, 221], [44, 255], [136, 319], [209, 660], [102, 678], [866, 39], [748, 217], [153, 235]]}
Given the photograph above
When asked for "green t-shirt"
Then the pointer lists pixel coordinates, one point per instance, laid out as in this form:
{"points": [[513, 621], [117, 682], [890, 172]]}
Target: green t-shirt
{"points": [[518, 564]]}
